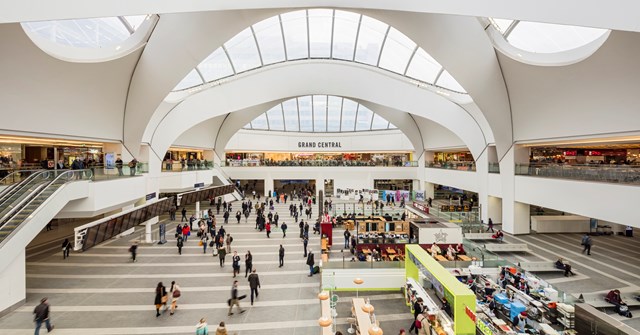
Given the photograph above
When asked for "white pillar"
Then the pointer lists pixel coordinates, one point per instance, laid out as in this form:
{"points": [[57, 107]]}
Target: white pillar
{"points": [[147, 229], [13, 279], [482, 176], [494, 209], [197, 209], [319, 186], [515, 216], [430, 190], [268, 185]]}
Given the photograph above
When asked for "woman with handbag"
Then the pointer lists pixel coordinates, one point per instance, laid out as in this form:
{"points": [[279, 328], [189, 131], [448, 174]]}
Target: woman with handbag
{"points": [[161, 298], [175, 295]]}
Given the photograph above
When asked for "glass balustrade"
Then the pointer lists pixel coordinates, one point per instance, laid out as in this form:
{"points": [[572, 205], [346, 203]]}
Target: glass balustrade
{"points": [[459, 166], [623, 174], [316, 163], [494, 167], [174, 166]]}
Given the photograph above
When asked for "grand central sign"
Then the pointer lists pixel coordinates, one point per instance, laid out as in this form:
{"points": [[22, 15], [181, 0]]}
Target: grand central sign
{"points": [[319, 144]]}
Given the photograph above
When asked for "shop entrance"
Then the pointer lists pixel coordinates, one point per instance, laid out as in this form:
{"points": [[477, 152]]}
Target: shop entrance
{"points": [[393, 184], [295, 187], [328, 187], [250, 185]]}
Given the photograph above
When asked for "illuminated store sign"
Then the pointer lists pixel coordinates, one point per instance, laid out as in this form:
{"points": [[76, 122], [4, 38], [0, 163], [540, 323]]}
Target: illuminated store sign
{"points": [[319, 144]]}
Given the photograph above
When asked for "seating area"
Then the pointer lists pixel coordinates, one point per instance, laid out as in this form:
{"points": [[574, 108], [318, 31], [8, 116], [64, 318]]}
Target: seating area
{"points": [[597, 300], [507, 247], [386, 253]]}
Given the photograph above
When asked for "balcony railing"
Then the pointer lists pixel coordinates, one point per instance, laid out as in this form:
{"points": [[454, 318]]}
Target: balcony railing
{"points": [[186, 166], [625, 174], [460, 166], [494, 167], [316, 163]]}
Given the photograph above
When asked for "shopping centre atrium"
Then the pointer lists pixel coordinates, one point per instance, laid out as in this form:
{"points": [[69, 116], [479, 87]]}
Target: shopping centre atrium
{"points": [[467, 153]]}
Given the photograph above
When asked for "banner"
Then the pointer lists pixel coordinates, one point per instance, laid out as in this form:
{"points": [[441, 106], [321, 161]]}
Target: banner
{"points": [[353, 194], [420, 195], [396, 195]]}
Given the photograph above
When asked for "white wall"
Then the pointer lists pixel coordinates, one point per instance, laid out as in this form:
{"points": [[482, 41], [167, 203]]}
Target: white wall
{"points": [[13, 279], [105, 196], [201, 135], [373, 278], [178, 181], [376, 141], [610, 202], [437, 137], [465, 180]]}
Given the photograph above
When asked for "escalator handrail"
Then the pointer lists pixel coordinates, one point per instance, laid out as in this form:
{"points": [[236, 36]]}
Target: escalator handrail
{"points": [[16, 209], [20, 186], [16, 172], [36, 193]]}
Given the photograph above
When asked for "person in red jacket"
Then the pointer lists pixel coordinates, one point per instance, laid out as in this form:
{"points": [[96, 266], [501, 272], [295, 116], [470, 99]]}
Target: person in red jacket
{"points": [[186, 232], [268, 227]]}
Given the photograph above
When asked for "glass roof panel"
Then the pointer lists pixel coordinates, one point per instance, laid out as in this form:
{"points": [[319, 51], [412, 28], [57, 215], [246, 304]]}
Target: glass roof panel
{"points": [[294, 25], [216, 66], [247, 126], [423, 67], [320, 23], [274, 115], [447, 81], [345, 29], [370, 40], [260, 122], [349, 108], [270, 41], [397, 51], [306, 115], [334, 113], [290, 108], [379, 123], [551, 38], [243, 51], [320, 113], [191, 80], [82, 33], [364, 118]]}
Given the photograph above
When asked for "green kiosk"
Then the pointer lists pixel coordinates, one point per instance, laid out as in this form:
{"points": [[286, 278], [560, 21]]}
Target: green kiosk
{"points": [[421, 267]]}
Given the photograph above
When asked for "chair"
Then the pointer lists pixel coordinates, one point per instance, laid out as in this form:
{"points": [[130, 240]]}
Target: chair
{"points": [[352, 324]]}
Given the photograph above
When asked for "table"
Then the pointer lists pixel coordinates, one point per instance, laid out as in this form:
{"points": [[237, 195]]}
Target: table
{"points": [[363, 320], [391, 251], [464, 258], [440, 258], [366, 251]]}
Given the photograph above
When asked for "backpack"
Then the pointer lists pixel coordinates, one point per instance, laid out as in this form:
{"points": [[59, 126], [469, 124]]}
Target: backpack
{"points": [[584, 240]]}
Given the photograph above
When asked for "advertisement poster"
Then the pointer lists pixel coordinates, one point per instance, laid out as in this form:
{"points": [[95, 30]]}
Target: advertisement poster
{"points": [[420, 196], [110, 160], [396, 195]]}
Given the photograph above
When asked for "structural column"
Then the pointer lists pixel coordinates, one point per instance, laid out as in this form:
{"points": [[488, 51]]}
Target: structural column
{"points": [[515, 215], [482, 174]]}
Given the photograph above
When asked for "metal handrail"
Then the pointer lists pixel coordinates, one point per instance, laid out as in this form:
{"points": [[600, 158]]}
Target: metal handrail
{"points": [[13, 173], [20, 187]]}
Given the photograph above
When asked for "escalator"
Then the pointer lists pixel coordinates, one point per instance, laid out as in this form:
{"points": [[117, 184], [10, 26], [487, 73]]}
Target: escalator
{"points": [[13, 181], [23, 199]]}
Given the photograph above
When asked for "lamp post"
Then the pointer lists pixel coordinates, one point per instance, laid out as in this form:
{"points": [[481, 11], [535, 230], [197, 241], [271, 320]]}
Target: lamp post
{"points": [[358, 281]]}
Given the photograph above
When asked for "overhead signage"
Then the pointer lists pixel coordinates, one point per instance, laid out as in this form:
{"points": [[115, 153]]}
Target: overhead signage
{"points": [[151, 196], [319, 144], [198, 185], [421, 207]]}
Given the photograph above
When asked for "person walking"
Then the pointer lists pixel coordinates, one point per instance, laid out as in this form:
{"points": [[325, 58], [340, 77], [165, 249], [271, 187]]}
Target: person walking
{"points": [[490, 228], [119, 164], [301, 225], [184, 215], [587, 242], [229, 240], [234, 299], [175, 295], [226, 217], [180, 244], [202, 328], [238, 216], [161, 298], [133, 249], [281, 256], [254, 284], [418, 308], [186, 232], [305, 241], [66, 247], [222, 330], [284, 230], [235, 264], [310, 262], [42, 315], [347, 238], [222, 253], [205, 241], [276, 217], [268, 228], [248, 263], [172, 212]]}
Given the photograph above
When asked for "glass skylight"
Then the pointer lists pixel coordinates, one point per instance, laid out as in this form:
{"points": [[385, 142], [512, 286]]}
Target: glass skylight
{"points": [[323, 34], [544, 37], [87, 33], [319, 114]]}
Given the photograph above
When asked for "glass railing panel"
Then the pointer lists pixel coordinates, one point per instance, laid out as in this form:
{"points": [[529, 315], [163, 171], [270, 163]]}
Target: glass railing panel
{"points": [[338, 263], [101, 172], [494, 167], [624, 174], [459, 166], [317, 163], [10, 177], [175, 166]]}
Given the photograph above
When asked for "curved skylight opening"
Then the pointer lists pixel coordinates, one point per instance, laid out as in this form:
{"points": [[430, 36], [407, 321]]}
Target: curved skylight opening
{"points": [[545, 37], [87, 33], [322, 34], [319, 114]]}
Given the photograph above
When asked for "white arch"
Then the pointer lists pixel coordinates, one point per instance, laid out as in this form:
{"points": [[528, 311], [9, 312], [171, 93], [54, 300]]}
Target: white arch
{"points": [[258, 91]]}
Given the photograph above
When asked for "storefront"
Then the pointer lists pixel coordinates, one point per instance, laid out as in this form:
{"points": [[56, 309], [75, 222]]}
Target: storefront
{"points": [[311, 158]]}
